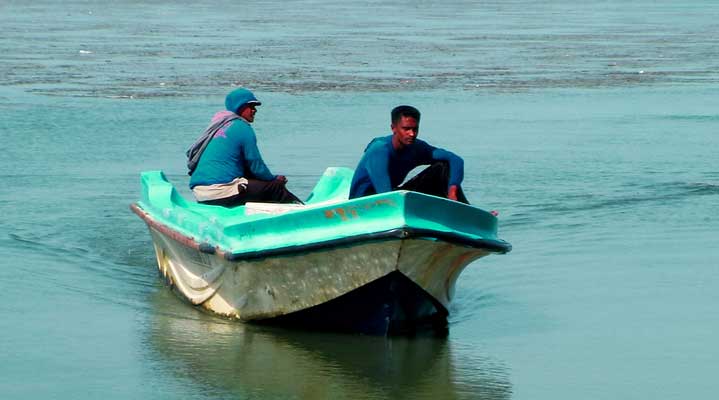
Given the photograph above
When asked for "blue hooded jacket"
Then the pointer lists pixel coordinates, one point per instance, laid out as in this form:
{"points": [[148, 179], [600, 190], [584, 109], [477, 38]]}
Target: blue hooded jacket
{"points": [[232, 152]]}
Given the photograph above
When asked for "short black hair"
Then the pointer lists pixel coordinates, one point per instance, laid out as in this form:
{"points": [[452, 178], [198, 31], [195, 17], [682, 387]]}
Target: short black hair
{"points": [[404, 111]]}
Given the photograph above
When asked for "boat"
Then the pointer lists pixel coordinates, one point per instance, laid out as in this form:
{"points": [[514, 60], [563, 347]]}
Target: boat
{"points": [[385, 264]]}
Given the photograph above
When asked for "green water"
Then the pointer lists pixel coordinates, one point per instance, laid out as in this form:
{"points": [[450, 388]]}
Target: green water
{"points": [[592, 128]]}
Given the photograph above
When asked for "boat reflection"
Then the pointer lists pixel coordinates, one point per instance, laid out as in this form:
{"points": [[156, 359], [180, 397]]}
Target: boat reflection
{"points": [[249, 361]]}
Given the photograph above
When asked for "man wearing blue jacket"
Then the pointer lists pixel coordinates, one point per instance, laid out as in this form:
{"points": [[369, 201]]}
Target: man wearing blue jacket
{"points": [[387, 161], [230, 170]]}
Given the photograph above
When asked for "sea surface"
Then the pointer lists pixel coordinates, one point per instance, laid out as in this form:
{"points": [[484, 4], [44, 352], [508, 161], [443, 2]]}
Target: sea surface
{"points": [[592, 127]]}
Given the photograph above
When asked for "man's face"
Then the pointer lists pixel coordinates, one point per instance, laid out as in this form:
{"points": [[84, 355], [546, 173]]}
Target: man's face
{"points": [[248, 112], [405, 131]]}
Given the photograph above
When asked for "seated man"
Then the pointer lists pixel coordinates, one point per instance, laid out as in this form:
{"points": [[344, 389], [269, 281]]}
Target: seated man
{"points": [[229, 171], [387, 161]]}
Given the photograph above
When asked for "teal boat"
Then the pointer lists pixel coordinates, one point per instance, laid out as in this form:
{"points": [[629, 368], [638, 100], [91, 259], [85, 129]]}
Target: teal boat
{"points": [[382, 264]]}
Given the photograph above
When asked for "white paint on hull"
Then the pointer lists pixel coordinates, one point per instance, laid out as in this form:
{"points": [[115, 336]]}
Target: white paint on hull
{"points": [[262, 288]]}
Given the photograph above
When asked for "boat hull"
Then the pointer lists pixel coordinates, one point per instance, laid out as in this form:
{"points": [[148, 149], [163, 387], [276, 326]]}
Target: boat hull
{"points": [[390, 305], [376, 264], [376, 286]]}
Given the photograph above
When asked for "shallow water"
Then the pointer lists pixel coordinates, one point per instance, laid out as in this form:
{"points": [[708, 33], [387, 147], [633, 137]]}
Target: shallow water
{"points": [[590, 127]]}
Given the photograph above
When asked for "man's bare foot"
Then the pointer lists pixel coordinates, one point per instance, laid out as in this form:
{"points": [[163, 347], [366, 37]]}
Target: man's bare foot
{"points": [[494, 212]]}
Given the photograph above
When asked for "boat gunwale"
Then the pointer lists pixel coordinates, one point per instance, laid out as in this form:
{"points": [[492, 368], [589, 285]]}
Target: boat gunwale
{"points": [[495, 246]]}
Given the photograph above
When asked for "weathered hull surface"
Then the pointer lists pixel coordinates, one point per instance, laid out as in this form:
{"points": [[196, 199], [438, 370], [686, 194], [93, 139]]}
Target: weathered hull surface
{"points": [[379, 264], [415, 280]]}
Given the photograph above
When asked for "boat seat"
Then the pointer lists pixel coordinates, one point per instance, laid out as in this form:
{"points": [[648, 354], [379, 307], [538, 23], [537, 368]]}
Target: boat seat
{"points": [[334, 185]]}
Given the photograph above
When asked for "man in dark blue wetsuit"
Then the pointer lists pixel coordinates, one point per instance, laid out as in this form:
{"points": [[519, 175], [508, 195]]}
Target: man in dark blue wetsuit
{"points": [[387, 161]]}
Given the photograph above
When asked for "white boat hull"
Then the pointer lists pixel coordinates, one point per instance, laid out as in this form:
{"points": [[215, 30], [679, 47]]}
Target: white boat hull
{"points": [[262, 288]]}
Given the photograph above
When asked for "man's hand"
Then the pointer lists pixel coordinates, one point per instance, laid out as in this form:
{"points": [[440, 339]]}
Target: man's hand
{"points": [[281, 179], [452, 193]]}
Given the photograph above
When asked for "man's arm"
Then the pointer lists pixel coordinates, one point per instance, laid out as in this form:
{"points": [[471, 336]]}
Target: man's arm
{"points": [[253, 160], [378, 170], [456, 168]]}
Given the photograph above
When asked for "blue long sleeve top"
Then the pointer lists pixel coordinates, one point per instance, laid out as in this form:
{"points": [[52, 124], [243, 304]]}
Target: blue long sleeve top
{"points": [[232, 153], [382, 168]]}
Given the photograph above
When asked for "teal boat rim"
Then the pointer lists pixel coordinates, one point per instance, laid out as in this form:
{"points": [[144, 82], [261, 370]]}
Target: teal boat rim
{"points": [[495, 246]]}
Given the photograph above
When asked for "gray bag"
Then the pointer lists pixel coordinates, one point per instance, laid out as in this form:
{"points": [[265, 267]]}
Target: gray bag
{"points": [[195, 151]]}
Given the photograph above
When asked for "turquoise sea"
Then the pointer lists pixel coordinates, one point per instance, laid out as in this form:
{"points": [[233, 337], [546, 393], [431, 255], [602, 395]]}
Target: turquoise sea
{"points": [[592, 127]]}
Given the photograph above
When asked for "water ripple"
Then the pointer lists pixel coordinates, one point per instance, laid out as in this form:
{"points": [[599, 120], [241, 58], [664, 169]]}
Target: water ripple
{"points": [[110, 55]]}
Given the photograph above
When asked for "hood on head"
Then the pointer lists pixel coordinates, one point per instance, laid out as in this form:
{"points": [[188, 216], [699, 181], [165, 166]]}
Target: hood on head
{"points": [[238, 98]]}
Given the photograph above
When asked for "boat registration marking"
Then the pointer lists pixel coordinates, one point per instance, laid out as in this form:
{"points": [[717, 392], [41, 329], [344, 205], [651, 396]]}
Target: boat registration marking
{"points": [[348, 212]]}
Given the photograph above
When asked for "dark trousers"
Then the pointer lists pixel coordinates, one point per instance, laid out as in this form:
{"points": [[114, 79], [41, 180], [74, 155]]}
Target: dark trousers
{"points": [[259, 191], [433, 180]]}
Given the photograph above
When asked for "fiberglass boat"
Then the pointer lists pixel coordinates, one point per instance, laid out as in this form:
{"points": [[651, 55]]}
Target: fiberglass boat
{"points": [[382, 264]]}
